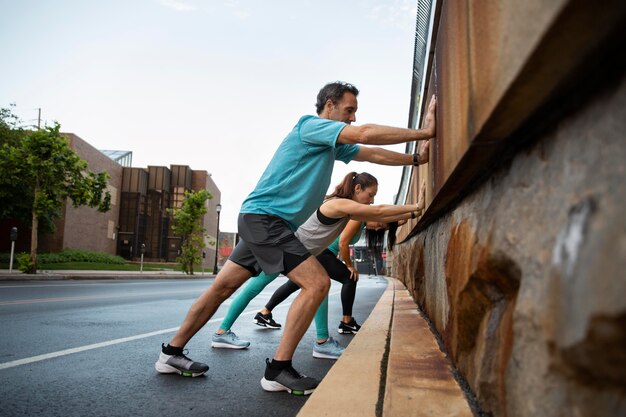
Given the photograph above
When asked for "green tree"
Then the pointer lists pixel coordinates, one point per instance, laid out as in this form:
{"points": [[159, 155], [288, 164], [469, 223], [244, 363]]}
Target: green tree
{"points": [[10, 127], [188, 224], [15, 201], [40, 171]]}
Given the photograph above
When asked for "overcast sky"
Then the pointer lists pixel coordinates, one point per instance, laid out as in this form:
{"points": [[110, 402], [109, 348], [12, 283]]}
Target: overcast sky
{"points": [[213, 84]]}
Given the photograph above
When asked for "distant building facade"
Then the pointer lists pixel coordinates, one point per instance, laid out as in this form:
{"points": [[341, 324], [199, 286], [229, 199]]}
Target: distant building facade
{"points": [[85, 227], [140, 198]]}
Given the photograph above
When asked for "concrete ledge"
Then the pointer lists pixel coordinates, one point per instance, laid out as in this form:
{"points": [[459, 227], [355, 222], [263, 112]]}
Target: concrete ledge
{"points": [[351, 387], [417, 377]]}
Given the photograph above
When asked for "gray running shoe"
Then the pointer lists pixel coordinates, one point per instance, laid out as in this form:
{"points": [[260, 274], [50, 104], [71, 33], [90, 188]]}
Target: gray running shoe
{"points": [[288, 380], [228, 340], [330, 349], [179, 364]]}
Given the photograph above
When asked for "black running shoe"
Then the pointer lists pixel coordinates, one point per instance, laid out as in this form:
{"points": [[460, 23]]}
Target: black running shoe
{"points": [[348, 328], [287, 379], [267, 321], [179, 364]]}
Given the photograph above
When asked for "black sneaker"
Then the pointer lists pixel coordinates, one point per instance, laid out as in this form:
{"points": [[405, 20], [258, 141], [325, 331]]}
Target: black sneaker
{"points": [[287, 379], [266, 321], [179, 364], [348, 328]]}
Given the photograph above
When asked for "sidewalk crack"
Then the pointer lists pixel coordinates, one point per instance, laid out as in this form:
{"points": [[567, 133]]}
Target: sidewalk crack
{"points": [[384, 362]]}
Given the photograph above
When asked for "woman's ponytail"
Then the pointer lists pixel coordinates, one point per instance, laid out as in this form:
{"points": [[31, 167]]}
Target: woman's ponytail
{"points": [[345, 189]]}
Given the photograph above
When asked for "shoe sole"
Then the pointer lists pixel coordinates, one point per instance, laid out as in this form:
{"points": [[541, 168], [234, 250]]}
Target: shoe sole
{"points": [[265, 325], [324, 356], [273, 386], [221, 345], [168, 369]]}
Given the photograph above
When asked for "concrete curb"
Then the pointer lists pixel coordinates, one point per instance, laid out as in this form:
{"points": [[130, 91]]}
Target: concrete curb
{"points": [[409, 376], [352, 386]]}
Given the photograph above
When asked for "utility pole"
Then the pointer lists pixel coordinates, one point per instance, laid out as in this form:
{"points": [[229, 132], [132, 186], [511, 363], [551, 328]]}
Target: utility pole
{"points": [[218, 208], [39, 119]]}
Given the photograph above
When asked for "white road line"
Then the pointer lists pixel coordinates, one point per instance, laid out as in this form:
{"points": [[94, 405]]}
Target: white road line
{"points": [[79, 349], [94, 297]]}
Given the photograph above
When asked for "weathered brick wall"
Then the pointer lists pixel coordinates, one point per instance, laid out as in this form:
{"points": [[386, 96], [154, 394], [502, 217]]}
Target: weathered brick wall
{"points": [[85, 227], [525, 278], [202, 180]]}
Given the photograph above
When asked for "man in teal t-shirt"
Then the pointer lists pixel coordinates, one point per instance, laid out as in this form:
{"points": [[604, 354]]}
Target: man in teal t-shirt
{"points": [[291, 188], [298, 176]]}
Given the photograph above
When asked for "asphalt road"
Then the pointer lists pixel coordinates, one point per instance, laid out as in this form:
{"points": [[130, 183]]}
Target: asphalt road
{"points": [[87, 348]]}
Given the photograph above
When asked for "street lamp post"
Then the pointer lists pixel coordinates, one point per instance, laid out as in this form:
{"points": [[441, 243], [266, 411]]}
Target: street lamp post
{"points": [[218, 208]]}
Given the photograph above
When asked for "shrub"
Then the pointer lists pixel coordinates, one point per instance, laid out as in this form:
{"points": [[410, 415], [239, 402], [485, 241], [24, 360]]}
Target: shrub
{"points": [[78, 255], [68, 255], [24, 263]]}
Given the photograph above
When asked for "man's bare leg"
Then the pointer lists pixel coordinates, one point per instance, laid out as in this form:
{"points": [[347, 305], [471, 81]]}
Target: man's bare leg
{"points": [[314, 284], [231, 277]]}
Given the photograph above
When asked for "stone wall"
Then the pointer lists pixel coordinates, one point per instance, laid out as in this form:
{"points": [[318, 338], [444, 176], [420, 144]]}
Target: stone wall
{"points": [[525, 278]]}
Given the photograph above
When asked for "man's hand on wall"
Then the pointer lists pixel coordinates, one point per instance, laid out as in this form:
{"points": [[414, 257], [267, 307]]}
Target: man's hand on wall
{"points": [[429, 120], [424, 151]]}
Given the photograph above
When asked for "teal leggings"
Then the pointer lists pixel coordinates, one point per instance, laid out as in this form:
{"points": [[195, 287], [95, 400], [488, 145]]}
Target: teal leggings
{"points": [[253, 287]]}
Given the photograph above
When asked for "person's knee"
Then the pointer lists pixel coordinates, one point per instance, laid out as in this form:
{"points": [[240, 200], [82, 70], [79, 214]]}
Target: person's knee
{"points": [[318, 286], [311, 277], [223, 289], [226, 284], [322, 285]]}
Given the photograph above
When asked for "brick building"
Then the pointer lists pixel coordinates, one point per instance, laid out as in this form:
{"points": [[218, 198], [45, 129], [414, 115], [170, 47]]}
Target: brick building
{"points": [[140, 198], [146, 194]]}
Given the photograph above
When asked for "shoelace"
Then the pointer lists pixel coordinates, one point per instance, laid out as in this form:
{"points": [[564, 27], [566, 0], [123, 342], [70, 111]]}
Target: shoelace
{"points": [[337, 345], [352, 324], [295, 373]]}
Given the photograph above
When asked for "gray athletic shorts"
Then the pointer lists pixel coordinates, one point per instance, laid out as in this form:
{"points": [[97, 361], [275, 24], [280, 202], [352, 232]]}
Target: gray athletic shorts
{"points": [[267, 244]]}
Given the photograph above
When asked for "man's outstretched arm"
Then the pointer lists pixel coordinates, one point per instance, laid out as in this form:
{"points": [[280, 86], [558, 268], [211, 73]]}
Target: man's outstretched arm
{"points": [[371, 134], [382, 156]]}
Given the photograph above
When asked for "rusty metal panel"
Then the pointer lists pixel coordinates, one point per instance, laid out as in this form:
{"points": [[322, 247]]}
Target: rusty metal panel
{"points": [[453, 87], [503, 69]]}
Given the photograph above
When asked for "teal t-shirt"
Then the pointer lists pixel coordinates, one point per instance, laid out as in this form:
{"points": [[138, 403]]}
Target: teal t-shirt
{"points": [[296, 180], [334, 247]]}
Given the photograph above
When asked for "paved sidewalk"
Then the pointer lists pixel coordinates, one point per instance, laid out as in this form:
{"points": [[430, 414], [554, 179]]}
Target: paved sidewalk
{"points": [[44, 275]]}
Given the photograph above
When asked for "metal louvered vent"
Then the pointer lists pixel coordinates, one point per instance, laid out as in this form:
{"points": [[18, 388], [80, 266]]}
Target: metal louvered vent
{"points": [[423, 32], [422, 27]]}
